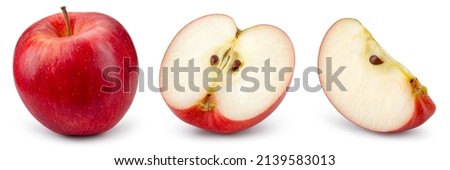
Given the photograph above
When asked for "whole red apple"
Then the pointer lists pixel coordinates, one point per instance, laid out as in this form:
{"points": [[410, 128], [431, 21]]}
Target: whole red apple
{"points": [[76, 72]]}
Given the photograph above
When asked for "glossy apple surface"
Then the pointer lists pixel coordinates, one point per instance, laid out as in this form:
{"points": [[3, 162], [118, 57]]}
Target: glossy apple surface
{"points": [[59, 72]]}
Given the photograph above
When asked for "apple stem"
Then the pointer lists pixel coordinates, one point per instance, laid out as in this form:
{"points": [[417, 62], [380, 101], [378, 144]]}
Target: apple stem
{"points": [[66, 20]]}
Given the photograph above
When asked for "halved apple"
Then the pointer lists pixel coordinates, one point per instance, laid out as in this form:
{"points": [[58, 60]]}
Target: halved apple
{"points": [[378, 93], [213, 74]]}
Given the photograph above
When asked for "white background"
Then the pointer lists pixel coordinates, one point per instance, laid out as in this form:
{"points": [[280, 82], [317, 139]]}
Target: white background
{"points": [[414, 33]]}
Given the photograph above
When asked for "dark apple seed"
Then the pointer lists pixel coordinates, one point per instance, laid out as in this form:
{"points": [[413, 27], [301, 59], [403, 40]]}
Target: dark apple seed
{"points": [[236, 65], [214, 59], [375, 60]]}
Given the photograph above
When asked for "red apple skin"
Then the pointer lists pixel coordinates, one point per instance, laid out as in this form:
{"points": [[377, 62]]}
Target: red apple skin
{"points": [[59, 78], [424, 109], [214, 121]]}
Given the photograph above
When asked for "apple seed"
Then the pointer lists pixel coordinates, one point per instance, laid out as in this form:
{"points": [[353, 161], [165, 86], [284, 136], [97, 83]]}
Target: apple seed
{"points": [[214, 59], [375, 60], [236, 65]]}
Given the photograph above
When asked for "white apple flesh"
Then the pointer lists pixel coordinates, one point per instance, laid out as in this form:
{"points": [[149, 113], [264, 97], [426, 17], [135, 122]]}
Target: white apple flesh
{"points": [[381, 95], [215, 41]]}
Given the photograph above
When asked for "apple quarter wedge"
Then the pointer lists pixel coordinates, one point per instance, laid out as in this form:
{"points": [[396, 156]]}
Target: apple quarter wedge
{"points": [[381, 95]]}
